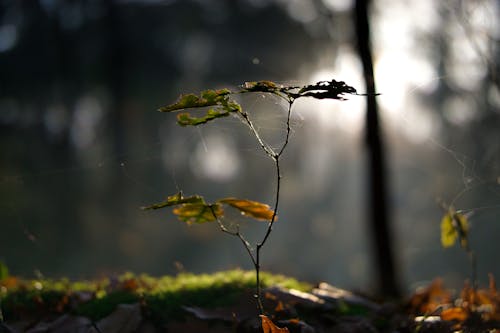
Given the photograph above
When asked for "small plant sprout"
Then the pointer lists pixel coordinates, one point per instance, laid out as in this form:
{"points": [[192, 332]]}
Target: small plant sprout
{"points": [[218, 103]]}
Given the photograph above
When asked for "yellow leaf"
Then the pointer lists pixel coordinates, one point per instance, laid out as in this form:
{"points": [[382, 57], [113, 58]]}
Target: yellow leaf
{"points": [[448, 233], [250, 208], [269, 327], [454, 226], [198, 212]]}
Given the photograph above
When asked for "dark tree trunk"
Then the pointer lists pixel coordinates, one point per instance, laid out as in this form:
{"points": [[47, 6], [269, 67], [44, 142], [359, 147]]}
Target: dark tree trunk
{"points": [[380, 226]]}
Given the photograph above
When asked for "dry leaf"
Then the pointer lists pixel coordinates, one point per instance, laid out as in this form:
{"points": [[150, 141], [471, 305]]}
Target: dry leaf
{"points": [[269, 327], [457, 314]]}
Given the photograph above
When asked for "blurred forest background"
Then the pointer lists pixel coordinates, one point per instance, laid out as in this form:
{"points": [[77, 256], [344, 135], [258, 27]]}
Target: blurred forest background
{"points": [[82, 147]]}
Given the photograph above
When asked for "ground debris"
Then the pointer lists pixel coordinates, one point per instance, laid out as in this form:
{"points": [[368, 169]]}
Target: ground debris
{"points": [[218, 304]]}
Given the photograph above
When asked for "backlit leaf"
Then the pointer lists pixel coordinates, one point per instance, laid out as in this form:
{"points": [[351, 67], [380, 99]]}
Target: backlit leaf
{"points": [[219, 99], [261, 86], [269, 327], [176, 199], [326, 89], [185, 119], [454, 226], [250, 208], [198, 212], [206, 98]]}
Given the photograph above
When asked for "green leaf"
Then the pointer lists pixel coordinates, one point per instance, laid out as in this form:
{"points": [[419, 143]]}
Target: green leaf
{"points": [[223, 106], [326, 89], [176, 199], [198, 212], [261, 86], [185, 119], [250, 208], [454, 226], [206, 98], [192, 209]]}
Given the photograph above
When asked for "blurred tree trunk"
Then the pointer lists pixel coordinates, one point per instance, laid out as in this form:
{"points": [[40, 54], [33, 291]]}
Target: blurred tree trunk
{"points": [[380, 224]]}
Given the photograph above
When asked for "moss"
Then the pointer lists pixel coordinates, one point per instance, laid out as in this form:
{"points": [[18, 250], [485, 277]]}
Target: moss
{"points": [[162, 297]]}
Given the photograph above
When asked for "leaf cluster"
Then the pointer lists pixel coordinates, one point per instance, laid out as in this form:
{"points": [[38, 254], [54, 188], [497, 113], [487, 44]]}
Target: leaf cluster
{"points": [[194, 209], [218, 99], [221, 105], [473, 306]]}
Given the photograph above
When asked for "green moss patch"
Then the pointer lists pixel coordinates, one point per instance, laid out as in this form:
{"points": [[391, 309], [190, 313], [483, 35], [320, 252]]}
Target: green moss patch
{"points": [[162, 298]]}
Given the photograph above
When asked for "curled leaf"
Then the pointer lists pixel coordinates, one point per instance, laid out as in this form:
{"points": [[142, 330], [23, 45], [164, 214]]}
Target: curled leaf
{"points": [[250, 208], [326, 89], [269, 327]]}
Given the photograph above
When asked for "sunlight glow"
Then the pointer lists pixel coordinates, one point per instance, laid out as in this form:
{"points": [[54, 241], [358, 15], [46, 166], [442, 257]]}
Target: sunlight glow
{"points": [[403, 67], [348, 115], [215, 158]]}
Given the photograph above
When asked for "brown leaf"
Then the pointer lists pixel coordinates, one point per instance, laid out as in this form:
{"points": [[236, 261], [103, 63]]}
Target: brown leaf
{"points": [[493, 286], [456, 313], [250, 208], [9, 282], [428, 299], [269, 327]]}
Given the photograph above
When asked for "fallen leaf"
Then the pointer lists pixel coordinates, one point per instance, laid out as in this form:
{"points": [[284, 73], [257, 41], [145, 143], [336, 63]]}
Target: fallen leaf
{"points": [[458, 314], [269, 327], [427, 300]]}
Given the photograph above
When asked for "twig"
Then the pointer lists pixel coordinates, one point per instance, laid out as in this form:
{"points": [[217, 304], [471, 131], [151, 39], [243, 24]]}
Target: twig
{"points": [[276, 158]]}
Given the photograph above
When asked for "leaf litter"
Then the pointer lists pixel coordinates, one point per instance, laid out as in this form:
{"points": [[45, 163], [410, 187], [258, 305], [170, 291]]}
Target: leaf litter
{"points": [[222, 302]]}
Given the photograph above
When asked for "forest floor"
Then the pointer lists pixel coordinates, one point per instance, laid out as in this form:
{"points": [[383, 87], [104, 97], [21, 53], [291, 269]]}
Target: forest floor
{"points": [[225, 302]]}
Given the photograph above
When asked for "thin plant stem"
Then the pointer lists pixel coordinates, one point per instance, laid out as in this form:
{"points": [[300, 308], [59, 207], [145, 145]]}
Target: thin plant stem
{"points": [[236, 233], [276, 158], [268, 150]]}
